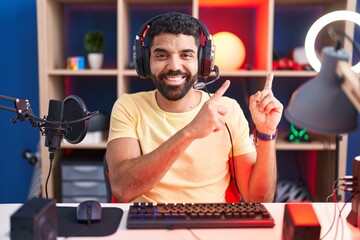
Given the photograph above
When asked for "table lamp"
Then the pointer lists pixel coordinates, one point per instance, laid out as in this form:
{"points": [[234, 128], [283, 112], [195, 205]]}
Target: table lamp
{"points": [[320, 105], [330, 102], [230, 51]]}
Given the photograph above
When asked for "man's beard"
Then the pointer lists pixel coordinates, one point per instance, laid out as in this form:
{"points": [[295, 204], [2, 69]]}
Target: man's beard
{"points": [[174, 93]]}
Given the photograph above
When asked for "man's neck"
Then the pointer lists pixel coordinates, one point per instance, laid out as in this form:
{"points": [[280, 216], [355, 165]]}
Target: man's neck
{"points": [[191, 100]]}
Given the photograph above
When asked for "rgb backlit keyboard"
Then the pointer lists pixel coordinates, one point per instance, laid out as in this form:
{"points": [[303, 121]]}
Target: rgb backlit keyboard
{"points": [[198, 215]]}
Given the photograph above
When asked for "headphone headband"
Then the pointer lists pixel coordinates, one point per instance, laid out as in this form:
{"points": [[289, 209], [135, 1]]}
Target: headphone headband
{"points": [[141, 54], [143, 29]]}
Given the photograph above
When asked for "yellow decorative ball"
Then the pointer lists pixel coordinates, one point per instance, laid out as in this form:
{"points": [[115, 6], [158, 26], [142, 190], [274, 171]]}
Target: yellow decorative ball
{"points": [[229, 51]]}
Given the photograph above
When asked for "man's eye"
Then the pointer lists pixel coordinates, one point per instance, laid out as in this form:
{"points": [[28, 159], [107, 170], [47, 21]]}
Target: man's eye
{"points": [[187, 55], [160, 56]]}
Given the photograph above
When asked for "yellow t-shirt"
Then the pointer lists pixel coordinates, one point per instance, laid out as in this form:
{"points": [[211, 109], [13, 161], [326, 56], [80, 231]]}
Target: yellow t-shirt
{"points": [[201, 174]]}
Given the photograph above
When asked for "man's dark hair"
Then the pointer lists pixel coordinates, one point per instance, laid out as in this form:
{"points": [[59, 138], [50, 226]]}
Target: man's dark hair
{"points": [[175, 23]]}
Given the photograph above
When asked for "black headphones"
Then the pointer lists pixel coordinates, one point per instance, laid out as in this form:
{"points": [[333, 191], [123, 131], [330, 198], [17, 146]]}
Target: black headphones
{"points": [[141, 54]]}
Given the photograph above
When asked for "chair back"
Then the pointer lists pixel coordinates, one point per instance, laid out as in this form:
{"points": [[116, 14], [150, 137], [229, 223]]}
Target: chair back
{"points": [[109, 196]]}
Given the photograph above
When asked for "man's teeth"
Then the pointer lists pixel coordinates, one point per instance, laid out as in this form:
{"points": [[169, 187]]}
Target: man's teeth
{"points": [[174, 78]]}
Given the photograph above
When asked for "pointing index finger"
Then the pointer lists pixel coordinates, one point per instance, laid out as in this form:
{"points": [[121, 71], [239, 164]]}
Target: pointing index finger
{"points": [[269, 81], [220, 92]]}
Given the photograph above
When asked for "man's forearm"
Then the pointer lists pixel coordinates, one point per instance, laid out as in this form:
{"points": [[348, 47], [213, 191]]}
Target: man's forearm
{"points": [[134, 177], [262, 183]]}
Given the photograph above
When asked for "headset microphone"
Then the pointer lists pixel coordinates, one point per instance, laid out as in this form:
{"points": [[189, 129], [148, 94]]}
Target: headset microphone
{"points": [[201, 85]]}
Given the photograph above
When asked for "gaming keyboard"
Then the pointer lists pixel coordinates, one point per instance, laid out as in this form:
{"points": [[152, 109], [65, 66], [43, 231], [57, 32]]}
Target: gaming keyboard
{"points": [[198, 215]]}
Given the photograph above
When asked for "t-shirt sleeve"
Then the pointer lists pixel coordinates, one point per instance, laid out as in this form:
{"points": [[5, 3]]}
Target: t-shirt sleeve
{"points": [[123, 120]]}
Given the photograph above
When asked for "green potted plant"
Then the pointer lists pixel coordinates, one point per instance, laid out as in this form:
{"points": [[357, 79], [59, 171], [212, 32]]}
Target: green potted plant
{"points": [[94, 45]]}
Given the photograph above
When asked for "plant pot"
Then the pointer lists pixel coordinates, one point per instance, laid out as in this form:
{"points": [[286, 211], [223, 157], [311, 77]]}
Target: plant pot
{"points": [[95, 60]]}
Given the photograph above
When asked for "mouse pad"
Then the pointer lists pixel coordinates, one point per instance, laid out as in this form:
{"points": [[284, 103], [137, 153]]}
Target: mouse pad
{"points": [[68, 225]]}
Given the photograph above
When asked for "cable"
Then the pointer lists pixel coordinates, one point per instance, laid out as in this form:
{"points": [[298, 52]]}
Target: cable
{"points": [[193, 234], [339, 216], [232, 151], [334, 35], [334, 217], [90, 115], [85, 228], [333, 195], [51, 158]]}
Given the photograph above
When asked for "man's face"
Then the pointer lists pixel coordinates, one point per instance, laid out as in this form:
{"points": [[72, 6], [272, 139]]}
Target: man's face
{"points": [[174, 64]]}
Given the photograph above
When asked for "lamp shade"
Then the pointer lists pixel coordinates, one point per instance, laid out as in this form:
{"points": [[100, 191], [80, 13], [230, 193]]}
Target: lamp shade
{"points": [[230, 51], [320, 105]]}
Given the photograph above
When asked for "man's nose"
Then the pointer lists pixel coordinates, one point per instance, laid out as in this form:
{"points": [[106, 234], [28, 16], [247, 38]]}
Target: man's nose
{"points": [[174, 63]]}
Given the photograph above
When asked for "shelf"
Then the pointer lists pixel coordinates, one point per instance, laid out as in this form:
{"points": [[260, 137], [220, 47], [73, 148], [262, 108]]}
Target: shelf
{"points": [[277, 73], [263, 26], [132, 73], [319, 144], [86, 72], [254, 30], [287, 73], [86, 1], [281, 144], [66, 145], [244, 73], [305, 2], [152, 2]]}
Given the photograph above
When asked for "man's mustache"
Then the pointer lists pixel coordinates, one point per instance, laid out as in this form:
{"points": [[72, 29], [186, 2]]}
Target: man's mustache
{"points": [[174, 73]]}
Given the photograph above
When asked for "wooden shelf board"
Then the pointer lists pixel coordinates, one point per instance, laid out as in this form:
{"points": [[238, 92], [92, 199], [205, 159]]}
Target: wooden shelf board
{"points": [[86, 1], [289, 73], [173, 2], [319, 144], [81, 145], [248, 73], [304, 2], [86, 72]]}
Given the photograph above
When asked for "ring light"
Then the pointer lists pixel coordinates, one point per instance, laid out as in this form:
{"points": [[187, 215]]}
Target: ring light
{"points": [[315, 29]]}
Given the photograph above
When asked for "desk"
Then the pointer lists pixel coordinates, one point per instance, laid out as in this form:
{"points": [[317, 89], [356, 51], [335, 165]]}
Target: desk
{"points": [[324, 212]]}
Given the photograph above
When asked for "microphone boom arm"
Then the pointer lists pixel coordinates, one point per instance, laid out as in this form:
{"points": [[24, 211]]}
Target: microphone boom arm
{"points": [[22, 108]]}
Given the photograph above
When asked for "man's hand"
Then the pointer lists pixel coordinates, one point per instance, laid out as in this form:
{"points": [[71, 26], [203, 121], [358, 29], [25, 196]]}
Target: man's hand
{"points": [[266, 110], [211, 117]]}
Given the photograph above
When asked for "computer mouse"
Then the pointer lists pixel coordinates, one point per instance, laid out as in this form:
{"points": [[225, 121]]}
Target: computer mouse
{"points": [[88, 211]]}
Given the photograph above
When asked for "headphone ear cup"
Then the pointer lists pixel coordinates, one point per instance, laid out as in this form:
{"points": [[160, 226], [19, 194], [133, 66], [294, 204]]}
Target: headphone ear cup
{"points": [[146, 62], [208, 58], [138, 58], [201, 62]]}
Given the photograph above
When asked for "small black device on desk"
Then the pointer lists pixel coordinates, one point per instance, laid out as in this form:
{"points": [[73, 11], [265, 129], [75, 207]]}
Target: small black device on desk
{"points": [[88, 211], [198, 215]]}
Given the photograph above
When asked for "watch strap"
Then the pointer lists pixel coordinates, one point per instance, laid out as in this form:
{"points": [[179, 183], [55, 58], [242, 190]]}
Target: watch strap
{"points": [[264, 137]]}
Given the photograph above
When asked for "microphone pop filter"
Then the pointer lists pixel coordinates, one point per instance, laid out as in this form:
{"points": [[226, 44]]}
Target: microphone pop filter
{"points": [[74, 109]]}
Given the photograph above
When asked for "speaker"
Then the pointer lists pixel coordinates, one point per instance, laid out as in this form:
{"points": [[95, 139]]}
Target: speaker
{"points": [[354, 216], [141, 53], [36, 219], [300, 222]]}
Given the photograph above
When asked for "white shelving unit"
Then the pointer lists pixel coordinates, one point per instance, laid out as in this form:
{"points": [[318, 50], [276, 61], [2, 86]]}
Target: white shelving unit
{"points": [[52, 56]]}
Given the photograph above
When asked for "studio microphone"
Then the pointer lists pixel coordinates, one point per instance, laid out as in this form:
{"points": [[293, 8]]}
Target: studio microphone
{"points": [[201, 85], [66, 119]]}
